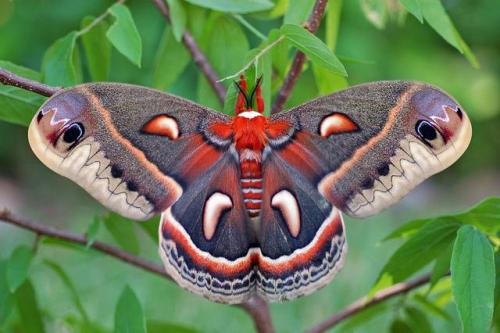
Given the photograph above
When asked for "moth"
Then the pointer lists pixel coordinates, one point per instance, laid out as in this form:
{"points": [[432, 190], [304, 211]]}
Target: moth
{"points": [[250, 204]]}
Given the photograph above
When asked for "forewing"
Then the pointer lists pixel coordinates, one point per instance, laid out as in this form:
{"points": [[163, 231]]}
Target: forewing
{"points": [[126, 145], [377, 141]]}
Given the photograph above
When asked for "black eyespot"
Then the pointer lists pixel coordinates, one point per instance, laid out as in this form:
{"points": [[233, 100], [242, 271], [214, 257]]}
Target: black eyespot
{"points": [[367, 183], [116, 172], [383, 170], [459, 112], [425, 130], [131, 186], [73, 133]]}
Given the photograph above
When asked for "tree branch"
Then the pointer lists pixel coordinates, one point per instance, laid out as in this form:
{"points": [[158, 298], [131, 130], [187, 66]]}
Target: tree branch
{"points": [[11, 79], [364, 303], [312, 25], [198, 56]]}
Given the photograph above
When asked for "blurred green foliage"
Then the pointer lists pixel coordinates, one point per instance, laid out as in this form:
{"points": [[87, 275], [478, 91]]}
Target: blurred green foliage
{"points": [[64, 287]]}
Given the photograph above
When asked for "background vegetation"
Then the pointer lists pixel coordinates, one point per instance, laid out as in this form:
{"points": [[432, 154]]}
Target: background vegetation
{"points": [[48, 285]]}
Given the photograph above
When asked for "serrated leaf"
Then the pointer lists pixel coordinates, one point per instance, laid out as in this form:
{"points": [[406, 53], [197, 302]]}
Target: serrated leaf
{"points": [[18, 106], [92, 230], [97, 49], [234, 6], [177, 17], [29, 311], [418, 251], [18, 266], [473, 279], [414, 7], [69, 285], [123, 34], [129, 316], [298, 12], [123, 232], [314, 48], [170, 61], [58, 65]]}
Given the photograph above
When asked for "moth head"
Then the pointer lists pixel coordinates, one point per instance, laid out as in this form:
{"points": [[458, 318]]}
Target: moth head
{"points": [[60, 124], [439, 123]]}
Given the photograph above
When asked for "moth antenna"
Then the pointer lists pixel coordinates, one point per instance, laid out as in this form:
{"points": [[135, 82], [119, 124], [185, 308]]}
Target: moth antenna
{"points": [[241, 102], [257, 94]]}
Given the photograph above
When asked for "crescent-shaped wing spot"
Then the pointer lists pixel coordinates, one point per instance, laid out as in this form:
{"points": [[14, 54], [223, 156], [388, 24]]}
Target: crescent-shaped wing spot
{"points": [[287, 204], [162, 125], [214, 206], [336, 123]]}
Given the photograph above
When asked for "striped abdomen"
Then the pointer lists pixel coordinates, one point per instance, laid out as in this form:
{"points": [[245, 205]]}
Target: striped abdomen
{"points": [[251, 185]]}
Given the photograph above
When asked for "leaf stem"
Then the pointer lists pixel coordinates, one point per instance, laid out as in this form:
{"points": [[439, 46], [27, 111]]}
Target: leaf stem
{"points": [[254, 59], [96, 21], [250, 27]]}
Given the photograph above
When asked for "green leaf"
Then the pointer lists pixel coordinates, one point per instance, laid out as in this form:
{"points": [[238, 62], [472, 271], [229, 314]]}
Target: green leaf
{"points": [[298, 12], [473, 279], [58, 65], [418, 320], [226, 51], [353, 323], [170, 61], [485, 216], [279, 53], [441, 267], [18, 266], [177, 17], [435, 14], [29, 312], [161, 327], [123, 232], [234, 6], [129, 317], [18, 106], [92, 231], [327, 81], [150, 227], [69, 285], [6, 298], [407, 230], [332, 23], [314, 48], [123, 34], [426, 245], [431, 307], [414, 7], [97, 49], [400, 326]]}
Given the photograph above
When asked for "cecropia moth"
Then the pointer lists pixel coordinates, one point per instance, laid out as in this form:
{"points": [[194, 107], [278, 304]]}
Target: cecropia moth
{"points": [[250, 204]]}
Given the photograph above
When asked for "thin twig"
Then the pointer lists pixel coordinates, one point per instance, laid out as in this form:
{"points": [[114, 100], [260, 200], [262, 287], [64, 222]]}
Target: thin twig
{"points": [[198, 56], [41, 229], [364, 303], [298, 62], [11, 79], [256, 307]]}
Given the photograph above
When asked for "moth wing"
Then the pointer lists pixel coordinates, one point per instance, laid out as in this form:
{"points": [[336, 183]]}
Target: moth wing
{"points": [[377, 141], [206, 238], [130, 147]]}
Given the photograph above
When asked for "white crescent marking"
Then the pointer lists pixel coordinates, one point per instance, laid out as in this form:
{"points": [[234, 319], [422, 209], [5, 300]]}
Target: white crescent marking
{"points": [[214, 207], [287, 204]]}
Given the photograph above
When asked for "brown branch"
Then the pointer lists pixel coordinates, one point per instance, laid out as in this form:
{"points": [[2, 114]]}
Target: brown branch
{"points": [[312, 25], [11, 79], [364, 303], [256, 307], [197, 54]]}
